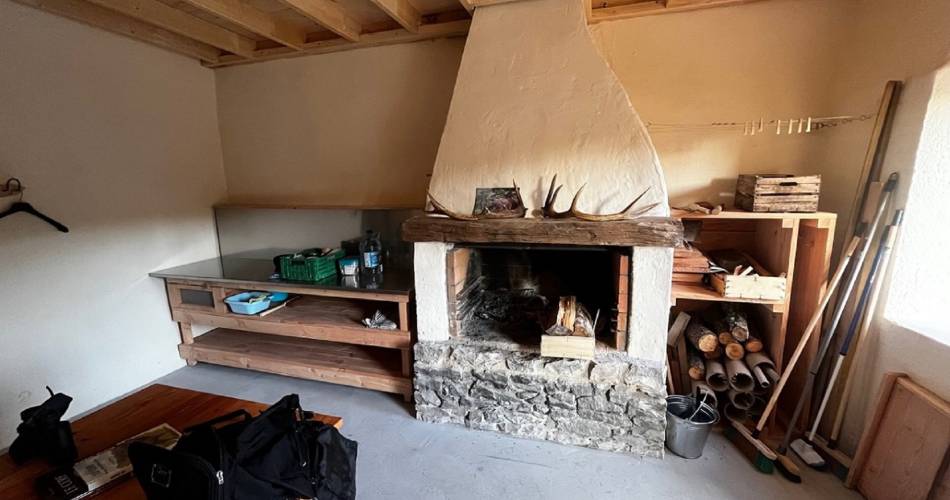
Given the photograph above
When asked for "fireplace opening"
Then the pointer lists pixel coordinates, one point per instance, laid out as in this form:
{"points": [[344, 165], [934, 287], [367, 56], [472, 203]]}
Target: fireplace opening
{"points": [[502, 294]]}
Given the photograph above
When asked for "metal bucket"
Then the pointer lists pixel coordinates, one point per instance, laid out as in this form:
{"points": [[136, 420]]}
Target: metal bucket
{"points": [[683, 437]]}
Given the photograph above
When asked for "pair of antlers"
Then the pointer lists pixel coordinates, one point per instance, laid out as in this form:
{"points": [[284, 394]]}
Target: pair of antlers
{"points": [[549, 212]]}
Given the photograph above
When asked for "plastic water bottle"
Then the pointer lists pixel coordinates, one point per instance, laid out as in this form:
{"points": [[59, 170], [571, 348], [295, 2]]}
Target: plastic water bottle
{"points": [[371, 252]]}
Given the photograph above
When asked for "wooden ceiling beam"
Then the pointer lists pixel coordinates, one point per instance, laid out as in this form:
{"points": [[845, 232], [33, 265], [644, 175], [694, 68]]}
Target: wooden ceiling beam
{"points": [[114, 22], [390, 37], [177, 21], [402, 12], [254, 20], [330, 15], [640, 9]]}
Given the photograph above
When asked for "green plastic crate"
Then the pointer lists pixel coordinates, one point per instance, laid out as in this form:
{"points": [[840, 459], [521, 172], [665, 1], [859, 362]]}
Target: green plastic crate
{"points": [[307, 266]]}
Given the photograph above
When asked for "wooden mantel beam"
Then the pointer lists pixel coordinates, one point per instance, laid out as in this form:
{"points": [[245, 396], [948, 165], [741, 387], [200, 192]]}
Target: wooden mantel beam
{"points": [[402, 12], [177, 21], [643, 231], [330, 15], [254, 20]]}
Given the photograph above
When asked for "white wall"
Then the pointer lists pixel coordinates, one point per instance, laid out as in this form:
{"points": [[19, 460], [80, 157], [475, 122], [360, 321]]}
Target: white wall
{"points": [[357, 128], [119, 141]]}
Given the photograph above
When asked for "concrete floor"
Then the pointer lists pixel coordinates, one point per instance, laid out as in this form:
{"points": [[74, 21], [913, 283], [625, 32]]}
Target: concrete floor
{"points": [[402, 458]]}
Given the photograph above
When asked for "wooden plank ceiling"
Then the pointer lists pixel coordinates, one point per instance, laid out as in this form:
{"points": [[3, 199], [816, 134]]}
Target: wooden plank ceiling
{"points": [[227, 32]]}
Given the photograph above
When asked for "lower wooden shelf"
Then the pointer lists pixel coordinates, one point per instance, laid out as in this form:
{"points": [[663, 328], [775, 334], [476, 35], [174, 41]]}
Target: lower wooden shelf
{"points": [[701, 292], [347, 364]]}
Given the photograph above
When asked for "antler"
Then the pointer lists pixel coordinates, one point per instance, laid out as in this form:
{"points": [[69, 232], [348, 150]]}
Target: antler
{"points": [[441, 209], [548, 210], [621, 215]]}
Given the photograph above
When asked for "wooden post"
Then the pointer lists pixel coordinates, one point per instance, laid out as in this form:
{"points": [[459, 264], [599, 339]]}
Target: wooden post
{"points": [[404, 316], [218, 295], [184, 329]]}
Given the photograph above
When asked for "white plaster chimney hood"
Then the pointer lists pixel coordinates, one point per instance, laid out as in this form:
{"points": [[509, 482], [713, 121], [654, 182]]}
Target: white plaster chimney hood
{"points": [[534, 98]]}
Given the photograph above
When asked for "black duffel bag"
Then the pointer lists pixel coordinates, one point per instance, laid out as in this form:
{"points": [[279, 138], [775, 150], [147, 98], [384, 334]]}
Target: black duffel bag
{"points": [[280, 454]]}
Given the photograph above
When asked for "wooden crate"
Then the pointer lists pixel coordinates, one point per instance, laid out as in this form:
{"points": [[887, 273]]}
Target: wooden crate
{"points": [[571, 346], [759, 286], [778, 193]]}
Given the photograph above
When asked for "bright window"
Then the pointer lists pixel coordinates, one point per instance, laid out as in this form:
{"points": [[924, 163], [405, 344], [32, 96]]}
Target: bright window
{"points": [[919, 295]]}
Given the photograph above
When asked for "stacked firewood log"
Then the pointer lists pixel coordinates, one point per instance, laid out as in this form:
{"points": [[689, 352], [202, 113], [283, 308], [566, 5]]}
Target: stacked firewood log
{"points": [[727, 360]]}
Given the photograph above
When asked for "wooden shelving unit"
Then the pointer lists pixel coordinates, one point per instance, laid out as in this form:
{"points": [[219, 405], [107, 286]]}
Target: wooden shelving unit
{"points": [[318, 336], [797, 244], [360, 366]]}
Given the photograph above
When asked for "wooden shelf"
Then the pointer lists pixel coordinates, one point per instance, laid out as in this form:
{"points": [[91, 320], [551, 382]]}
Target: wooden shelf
{"points": [[796, 244], [743, 215], [315, 318], [701, 292], [367, 367]]}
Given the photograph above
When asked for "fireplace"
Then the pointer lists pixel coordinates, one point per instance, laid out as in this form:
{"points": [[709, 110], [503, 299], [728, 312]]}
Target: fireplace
{"points": [[533, 100], [479, 298], [505, 294]]}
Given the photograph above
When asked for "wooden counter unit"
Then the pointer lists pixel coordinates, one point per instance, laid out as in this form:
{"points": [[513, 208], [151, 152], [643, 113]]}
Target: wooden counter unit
{"points": [[317, 335]]}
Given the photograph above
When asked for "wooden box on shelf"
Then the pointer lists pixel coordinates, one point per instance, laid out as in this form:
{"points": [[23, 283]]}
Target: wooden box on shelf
{"points": [[778, 193], [759, 285]]}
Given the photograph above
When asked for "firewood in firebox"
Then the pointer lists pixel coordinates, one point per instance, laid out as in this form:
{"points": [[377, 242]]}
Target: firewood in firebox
{"points": [[570, 318]]}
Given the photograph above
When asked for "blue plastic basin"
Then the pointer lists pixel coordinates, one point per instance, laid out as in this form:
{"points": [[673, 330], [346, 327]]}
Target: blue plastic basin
{"points": [[239, 303]]}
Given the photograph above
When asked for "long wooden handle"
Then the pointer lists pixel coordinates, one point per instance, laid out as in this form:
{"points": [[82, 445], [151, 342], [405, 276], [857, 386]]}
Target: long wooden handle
{"points": [[862, 333], [812, 325]]}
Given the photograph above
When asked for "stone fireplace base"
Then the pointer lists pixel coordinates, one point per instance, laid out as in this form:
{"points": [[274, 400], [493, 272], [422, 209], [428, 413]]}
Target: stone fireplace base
{"points": [[614, 402]]}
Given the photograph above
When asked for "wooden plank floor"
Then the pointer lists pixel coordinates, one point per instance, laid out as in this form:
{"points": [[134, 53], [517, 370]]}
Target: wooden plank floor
{"points": [[136, 413]]}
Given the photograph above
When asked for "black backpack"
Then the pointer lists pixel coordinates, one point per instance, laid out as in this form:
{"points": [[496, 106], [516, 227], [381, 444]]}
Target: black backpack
{"points": [[277, 455]]}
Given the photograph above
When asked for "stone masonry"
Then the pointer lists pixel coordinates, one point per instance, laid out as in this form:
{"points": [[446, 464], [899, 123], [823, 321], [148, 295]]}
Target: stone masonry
{"points": [[613, 403]]}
